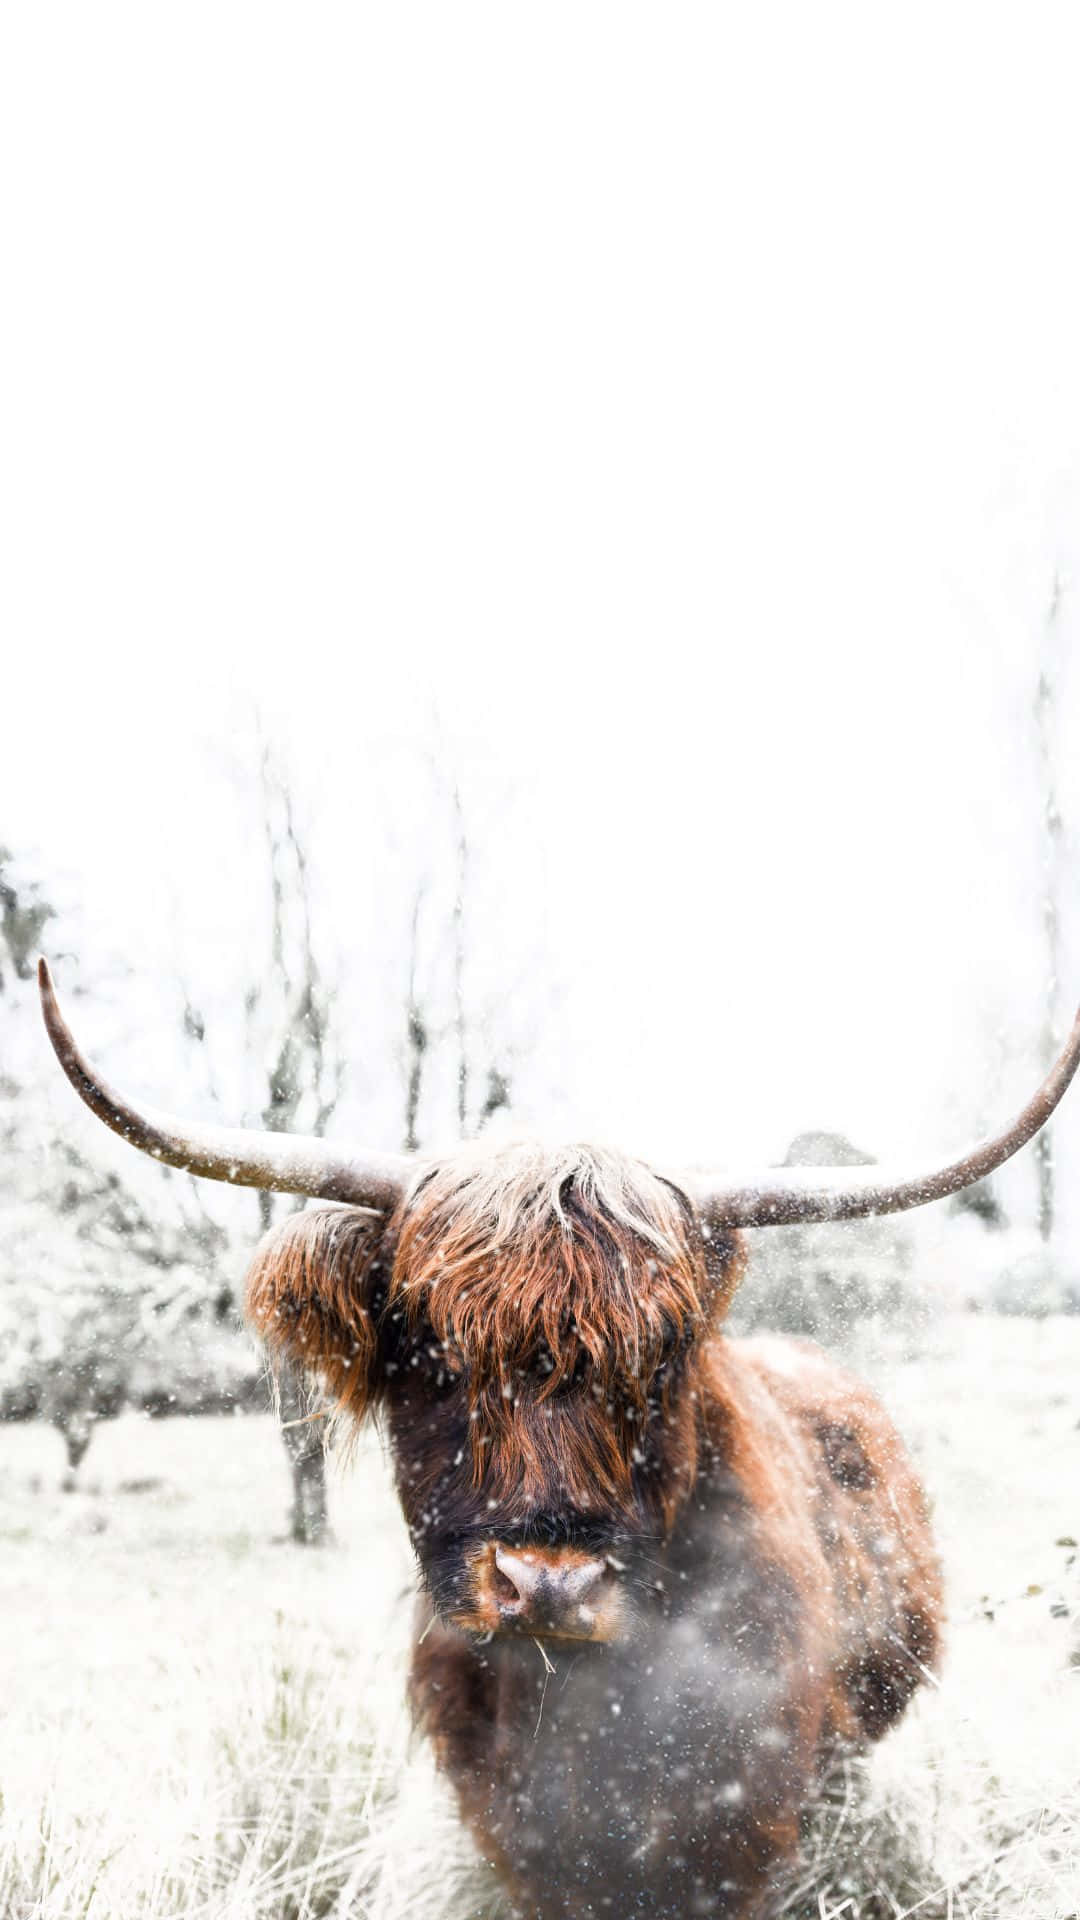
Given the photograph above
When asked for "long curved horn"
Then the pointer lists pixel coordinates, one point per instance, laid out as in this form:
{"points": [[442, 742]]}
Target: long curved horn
{"points": [[278, 1162], [780, 1196]]}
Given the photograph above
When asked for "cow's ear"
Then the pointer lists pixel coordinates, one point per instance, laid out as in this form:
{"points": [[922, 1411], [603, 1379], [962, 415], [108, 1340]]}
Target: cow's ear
{"points": [[314, 1291]]}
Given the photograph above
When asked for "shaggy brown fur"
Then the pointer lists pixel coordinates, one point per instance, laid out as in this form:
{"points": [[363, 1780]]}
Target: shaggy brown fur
{"points": [[312, 1292], [542, 1334], [544, 1273]]}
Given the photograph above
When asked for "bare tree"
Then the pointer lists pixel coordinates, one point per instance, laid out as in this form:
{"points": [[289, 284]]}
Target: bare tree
{"points": [[292, 1037], [1053, 879], [461, 878], [442, 1036], [416, 1032], [303, 1063], [307, 1068]]}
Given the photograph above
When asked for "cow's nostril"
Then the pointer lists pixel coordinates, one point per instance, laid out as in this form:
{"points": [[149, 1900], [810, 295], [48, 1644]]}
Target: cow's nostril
{"points": [[503, 1588], [517, 1577]]}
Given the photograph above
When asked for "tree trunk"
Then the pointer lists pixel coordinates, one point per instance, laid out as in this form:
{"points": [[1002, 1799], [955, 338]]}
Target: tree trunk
{"points": [[1044, 1167], [309, 1522], [1054, 880]]}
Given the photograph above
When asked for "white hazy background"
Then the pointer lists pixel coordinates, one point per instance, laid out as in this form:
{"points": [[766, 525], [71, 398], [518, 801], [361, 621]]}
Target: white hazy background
{"points": [[669, 418]]}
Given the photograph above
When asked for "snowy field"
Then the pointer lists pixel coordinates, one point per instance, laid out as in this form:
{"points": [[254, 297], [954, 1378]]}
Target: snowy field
{"points": [[201, 1720]]}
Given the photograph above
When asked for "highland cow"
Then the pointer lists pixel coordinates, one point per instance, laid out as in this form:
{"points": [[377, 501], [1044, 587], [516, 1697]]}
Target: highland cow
{"points": [[665, 1573]]}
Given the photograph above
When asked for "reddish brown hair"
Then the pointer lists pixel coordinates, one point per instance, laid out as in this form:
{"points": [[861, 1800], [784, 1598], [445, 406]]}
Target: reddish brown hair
{"points": [[313, 1293], [539, 1271], [535, 1271]]}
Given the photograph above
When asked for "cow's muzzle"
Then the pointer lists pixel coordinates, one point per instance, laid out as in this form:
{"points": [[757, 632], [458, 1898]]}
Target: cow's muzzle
{"points": [[563, 1593]]}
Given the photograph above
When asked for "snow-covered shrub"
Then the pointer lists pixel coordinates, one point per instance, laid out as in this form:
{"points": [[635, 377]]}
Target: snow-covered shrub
{"points": [[1029, 1277], [67, 1329], [825, 1281], [197, 1365]]}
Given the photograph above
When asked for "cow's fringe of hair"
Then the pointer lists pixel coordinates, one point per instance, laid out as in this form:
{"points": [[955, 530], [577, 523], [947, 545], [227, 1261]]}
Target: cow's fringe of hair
{"points": [[539, 1269], [310, 1292], [587, 1251]]}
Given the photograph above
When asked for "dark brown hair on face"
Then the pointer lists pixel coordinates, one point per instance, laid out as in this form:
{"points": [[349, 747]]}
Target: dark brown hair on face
{"points": [[537, 1308], [564, 1286]]}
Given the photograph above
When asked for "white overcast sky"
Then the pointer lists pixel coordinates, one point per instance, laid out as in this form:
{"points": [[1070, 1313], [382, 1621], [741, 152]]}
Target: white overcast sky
{"points": [[682, 404]]}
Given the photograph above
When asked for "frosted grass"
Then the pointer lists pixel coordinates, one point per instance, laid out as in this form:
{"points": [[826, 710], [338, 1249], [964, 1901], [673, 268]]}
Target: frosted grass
{"points": [[199, 1721]]}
